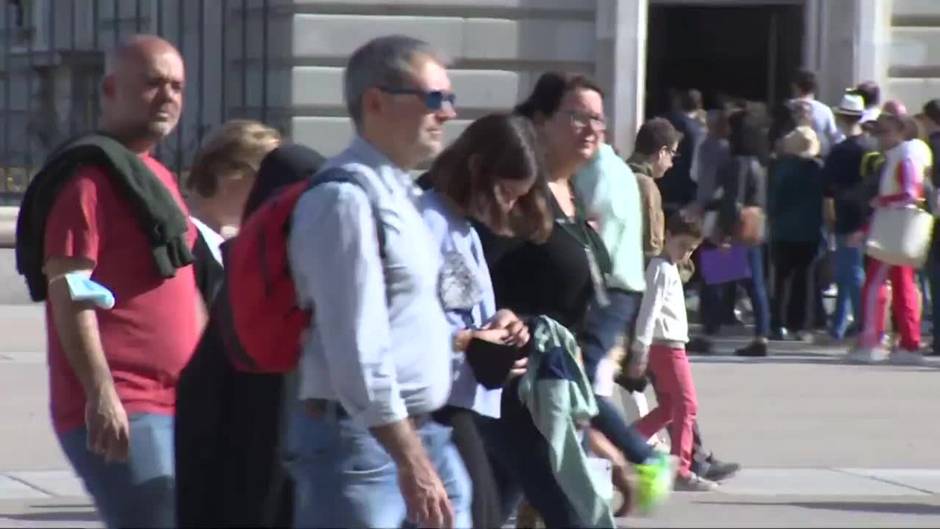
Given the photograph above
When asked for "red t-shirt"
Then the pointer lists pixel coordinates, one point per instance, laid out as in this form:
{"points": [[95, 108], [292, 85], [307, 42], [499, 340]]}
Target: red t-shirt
{"points": [[150, 334]]}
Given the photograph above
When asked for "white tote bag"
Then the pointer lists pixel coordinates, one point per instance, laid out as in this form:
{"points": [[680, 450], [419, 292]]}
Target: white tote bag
{"points": [[900, 236]]}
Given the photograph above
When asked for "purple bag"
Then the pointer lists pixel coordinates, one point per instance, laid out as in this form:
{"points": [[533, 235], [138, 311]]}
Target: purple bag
{"points": [[724, 265]]}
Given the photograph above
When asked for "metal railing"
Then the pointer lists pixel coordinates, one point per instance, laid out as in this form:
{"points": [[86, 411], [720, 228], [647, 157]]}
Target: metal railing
{"points": [[53, 61]]}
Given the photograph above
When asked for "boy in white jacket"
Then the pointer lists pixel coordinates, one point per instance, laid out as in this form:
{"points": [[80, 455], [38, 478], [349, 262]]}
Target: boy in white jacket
{"points": [[662, 332]]}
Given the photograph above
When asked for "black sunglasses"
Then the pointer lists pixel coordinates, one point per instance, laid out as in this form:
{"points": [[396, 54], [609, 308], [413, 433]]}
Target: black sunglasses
{"points": [[434, 99]]}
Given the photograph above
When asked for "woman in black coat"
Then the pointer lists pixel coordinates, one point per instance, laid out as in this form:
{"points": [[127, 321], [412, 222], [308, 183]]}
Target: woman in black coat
{"points": [[228, 471]]}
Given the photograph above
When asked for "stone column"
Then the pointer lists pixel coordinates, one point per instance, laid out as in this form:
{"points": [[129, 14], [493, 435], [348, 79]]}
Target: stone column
{"points": [[621, 66], [872, 41]]}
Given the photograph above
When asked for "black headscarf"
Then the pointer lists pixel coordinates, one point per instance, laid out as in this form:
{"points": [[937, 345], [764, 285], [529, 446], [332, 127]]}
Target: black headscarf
{"points": [[281, 167]]}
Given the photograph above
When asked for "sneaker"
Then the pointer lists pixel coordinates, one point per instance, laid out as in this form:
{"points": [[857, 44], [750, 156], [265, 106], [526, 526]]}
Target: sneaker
{"points": [[866, 355], [721, 470], [655, 479], [806, 337], [780, 334], [902, 357], [755, 349], [695, 483]]}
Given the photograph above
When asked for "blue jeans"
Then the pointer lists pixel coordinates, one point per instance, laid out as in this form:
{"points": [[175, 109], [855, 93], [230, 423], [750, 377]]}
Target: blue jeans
{"points": [[933, 274], [756, 286], [850, 276], [139, 492], [603, 327], [343, 477]]}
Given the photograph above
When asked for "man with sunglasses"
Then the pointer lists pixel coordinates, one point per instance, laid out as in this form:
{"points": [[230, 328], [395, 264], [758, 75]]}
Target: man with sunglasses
{"points": [[362, 447]]}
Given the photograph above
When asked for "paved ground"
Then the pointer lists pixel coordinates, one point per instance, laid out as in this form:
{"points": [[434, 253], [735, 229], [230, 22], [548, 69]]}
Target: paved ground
{"points": [[824, 444]]}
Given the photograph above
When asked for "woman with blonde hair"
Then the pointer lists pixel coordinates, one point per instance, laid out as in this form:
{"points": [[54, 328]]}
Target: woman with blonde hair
{"points": [[224, 171], [218, 184]]}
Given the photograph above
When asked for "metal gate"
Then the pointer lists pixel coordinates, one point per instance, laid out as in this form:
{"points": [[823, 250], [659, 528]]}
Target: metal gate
{"points": [[53, 61]]}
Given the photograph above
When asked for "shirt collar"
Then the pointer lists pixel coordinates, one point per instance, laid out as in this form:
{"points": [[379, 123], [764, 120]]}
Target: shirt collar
{"points": [[640, 166], [393, 177]]}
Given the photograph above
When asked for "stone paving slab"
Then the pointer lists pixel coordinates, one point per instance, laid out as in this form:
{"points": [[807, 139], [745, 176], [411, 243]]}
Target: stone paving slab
{"points": [[927, 481], [51, 482], [719, 510], [53, 512], [13, 489], [812, 482]]}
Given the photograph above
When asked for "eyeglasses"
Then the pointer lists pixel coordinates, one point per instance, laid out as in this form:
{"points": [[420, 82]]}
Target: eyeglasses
{"points": [[673, 153], [433, 100], [582, 120]]}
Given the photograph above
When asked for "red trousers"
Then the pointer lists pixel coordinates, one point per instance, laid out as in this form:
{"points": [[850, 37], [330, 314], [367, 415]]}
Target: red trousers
{"points": [[677, 403], [904, 301]]}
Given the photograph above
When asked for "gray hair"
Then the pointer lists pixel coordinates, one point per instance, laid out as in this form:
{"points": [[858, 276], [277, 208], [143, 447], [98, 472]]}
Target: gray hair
{"points": [[383, 61]]}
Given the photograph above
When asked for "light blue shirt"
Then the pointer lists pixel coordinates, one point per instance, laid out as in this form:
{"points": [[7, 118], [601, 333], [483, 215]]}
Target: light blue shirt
{"points": [[380, 343], [469, 301], [824, 123], [611, 195]]}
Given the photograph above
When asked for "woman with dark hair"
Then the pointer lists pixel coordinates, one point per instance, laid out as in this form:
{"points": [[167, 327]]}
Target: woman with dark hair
{"points": [[560, 277], [492, 174], [743, 187], [228, 472]]}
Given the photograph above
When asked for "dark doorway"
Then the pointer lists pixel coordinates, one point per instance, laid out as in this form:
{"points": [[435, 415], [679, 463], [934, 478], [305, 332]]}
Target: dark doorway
{"points": [[748, 51]]}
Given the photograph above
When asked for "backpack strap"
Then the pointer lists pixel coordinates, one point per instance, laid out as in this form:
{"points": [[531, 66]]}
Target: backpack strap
{"points": [[343, 176]]}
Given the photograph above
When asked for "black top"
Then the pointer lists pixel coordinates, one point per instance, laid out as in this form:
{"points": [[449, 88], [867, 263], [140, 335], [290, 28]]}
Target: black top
{"points": [[842, 174], [552, 278], [934, 142], [209, 272], [677, 186]]}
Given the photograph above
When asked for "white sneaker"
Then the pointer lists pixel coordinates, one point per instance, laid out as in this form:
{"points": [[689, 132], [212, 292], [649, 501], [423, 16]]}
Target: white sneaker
{"points": [[903, 357], [867, 355], [694, 483]]}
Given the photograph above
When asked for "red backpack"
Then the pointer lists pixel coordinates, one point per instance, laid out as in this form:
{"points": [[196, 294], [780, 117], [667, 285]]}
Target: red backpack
{"points": [[257, 312]]}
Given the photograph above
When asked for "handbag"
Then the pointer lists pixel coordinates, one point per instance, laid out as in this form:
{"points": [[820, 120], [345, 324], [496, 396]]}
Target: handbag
{"points": [[900, 236], [750, 229], [723, 265]]}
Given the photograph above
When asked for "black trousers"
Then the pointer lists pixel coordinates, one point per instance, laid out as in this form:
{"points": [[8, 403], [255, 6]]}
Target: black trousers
{"points": [[793, 264], [488, 506], [228, 470]]}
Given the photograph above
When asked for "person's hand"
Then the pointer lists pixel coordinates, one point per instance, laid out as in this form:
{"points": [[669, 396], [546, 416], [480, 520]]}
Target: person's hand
{"points": [[491, 335], [425, 496], [518, 332], [518, 369], [638, 362], [108, 427], [637, 370]]}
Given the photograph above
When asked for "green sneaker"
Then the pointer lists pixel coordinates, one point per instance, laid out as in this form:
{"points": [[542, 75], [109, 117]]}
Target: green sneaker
{"points": [[655, 480]]}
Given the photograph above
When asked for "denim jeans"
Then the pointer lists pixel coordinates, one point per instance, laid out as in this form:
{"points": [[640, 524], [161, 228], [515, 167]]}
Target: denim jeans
{"points": [[756, 286], [850, 276], [933, 274], [343, 477], [603, 327], [139, 492]]}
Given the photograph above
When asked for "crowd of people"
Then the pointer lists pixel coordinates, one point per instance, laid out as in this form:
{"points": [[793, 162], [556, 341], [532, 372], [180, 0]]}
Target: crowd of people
{"points": [[820, 174], [467, 329]]}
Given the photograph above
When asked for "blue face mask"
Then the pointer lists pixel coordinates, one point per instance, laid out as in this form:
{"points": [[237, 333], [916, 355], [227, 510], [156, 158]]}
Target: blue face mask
{"points": [[82, 288]]}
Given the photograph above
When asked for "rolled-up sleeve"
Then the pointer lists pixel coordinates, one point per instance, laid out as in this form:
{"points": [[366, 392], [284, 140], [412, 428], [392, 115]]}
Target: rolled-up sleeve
{"points": [[334, 258]]}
